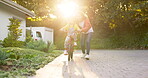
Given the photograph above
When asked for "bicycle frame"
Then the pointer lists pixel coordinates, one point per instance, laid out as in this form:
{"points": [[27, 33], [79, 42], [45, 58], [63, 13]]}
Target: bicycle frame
{"points": [[70, 49]]}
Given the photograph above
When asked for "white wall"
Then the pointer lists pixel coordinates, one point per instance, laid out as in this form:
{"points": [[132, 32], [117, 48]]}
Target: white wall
{"points": [[47, 33], [34, 29], [6, 13]]}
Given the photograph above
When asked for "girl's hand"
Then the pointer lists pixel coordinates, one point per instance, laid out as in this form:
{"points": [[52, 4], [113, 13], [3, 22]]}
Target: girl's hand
{"points": [[79, 30], [61, 29]]}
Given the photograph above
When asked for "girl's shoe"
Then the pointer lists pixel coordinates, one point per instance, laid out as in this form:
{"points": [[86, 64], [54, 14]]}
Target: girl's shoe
{"points": [[75, 43], [65, 52]]}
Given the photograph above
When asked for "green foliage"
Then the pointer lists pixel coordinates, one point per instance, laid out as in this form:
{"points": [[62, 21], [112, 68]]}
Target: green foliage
{"points": [[59, 39], [13, 35], [60, 44], [112, 21], [119, 23], [40, 7], [13, 28], [1, 42], [145, 41], [28, 36], [24, 62], [37, 45], [40, 45], [128, 41], [50, 47], [9, 43], [3, 55]]}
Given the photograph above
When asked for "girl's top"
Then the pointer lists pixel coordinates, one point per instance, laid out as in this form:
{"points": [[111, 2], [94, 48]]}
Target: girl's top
{"points": [[70, 29]]}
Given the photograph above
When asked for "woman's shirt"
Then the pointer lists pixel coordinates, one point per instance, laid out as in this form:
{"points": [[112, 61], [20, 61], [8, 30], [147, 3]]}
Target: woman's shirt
{"points": [[81, 24]]}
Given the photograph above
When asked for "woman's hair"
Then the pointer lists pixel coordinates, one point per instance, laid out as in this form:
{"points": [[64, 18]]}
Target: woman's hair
{"points": [[81, 16]]}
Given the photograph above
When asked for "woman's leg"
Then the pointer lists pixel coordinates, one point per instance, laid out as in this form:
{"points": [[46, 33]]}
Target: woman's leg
{"points": [[88, 39], [82, 37]]}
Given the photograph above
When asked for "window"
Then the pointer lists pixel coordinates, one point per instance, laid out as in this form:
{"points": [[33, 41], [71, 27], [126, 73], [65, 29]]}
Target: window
{"points": [[31, 34], [38, 34]]}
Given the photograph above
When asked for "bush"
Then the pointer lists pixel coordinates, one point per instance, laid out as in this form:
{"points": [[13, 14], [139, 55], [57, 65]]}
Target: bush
{"points": [[127, 41], [50, 47], [145, 41], [3, 55], [28, 36], [1, 43], [40, 45], [37, 45], [12, 43]]}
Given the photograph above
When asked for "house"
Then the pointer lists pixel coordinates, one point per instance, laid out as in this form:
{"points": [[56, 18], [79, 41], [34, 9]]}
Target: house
{"points": [[9, 9], [41, 33]]}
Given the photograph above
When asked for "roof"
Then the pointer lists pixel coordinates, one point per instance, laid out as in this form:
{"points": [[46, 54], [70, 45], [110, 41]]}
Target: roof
{"points": [[17, 7]]}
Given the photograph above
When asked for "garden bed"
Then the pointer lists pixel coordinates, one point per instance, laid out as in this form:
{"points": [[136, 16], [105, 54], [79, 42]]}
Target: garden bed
{"points": [[20, 62]]}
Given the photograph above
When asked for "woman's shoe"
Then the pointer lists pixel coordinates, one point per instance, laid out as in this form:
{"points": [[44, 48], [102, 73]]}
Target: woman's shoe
{"points": [[87, 57], [83, 55]]}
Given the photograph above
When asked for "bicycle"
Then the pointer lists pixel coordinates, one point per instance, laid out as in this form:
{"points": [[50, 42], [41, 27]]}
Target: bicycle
{"points": [[70, 49], [72, 31]]}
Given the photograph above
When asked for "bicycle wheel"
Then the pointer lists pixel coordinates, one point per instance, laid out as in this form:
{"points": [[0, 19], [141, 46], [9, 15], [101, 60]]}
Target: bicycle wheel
{"points": [[70, 50]]}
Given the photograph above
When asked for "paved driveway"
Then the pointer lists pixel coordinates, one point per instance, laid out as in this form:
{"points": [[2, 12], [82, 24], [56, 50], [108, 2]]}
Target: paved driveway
{"points": [[102, 64]]}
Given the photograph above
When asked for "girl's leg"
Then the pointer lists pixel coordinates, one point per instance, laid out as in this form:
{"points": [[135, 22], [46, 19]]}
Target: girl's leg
{"points": [[65, 45], [75, 40], [88, 39], [65, 51]]}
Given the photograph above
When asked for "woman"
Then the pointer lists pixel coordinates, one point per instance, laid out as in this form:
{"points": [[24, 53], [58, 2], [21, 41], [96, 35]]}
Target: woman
{"points": [[86, 35]]}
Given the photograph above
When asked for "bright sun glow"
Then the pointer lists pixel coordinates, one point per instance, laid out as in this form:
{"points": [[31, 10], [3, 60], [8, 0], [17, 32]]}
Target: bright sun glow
{"points": [[52, 16], [68, 9]]}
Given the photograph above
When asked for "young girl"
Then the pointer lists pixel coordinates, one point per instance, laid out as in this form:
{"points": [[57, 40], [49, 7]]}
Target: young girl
{"points": [[71, 30]]}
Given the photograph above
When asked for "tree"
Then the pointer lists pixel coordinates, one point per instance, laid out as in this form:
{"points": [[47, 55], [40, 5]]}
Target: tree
{"points": [[108, 17], [39, 7], [13, 35]]}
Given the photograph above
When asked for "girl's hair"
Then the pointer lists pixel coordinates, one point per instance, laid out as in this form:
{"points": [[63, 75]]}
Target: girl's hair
{"points": [[75, 20], [71, 21], [81, 16]]}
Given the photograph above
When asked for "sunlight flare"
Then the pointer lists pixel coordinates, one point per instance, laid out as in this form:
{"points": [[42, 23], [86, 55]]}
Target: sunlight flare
{"points": [[68, 9]]}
